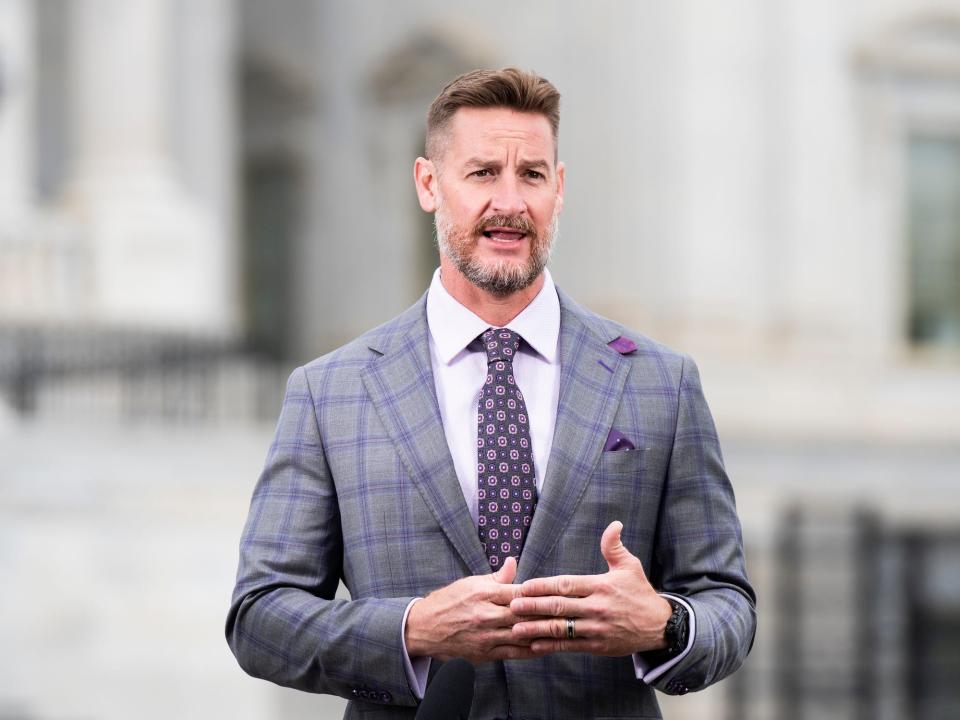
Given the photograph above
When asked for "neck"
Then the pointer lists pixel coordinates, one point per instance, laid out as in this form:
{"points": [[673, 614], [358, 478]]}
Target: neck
{"points": [[498, 310]]}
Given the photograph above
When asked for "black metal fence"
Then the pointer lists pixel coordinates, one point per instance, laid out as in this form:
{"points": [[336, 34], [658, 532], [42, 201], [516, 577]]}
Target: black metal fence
{"points": [[136, 374], [864, 618]]}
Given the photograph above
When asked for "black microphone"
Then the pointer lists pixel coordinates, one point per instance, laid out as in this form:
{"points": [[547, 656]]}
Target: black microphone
{"points": [[449, 695]]}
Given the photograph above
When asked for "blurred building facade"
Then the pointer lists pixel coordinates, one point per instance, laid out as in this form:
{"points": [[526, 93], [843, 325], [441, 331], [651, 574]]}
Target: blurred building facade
{"points": [[194, 197]]}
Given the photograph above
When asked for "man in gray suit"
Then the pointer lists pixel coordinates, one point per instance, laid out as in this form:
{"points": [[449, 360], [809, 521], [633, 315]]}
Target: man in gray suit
{"points": [[496, 474]]}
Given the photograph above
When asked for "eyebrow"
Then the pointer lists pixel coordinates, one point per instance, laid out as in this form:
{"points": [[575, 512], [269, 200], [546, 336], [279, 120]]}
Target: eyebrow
{"points": [[525, 165], [536, 165]]}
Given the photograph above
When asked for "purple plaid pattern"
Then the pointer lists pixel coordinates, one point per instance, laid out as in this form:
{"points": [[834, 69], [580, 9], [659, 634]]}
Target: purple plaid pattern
{"points": [[359, 485], [506, 487]]}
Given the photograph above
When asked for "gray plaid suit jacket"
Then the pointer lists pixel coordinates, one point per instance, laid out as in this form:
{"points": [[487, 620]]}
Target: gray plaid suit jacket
{"points": [[359, 485]]}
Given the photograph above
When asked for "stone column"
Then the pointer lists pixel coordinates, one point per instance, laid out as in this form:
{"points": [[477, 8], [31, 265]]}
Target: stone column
{"points": [[160, 252], [715, 257], [16, 94]]}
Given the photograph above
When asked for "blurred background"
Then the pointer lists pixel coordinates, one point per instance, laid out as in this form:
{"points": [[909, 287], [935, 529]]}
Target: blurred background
{"points": [[198, 196]]}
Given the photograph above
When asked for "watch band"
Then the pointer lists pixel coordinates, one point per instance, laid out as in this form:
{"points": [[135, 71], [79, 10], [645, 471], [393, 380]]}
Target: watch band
{"points": [[677, 629], [676, 633]]}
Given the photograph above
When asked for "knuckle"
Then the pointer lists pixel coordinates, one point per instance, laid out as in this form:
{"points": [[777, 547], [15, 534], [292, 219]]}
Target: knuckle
{"points": [[556, 607]]}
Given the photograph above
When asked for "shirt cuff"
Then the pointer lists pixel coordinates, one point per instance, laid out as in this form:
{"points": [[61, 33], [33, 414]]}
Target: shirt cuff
{"points": [[649, 674], [417, 668]]}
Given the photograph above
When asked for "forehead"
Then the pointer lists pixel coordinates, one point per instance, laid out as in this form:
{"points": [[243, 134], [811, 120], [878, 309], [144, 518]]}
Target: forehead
{"points": [[485, 131]]}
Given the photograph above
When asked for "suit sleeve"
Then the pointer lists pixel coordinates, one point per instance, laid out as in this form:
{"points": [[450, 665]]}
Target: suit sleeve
{"points": [[285, 623], [699, 548]]}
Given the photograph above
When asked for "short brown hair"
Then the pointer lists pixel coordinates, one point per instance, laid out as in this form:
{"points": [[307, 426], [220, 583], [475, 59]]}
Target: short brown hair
{"points": [[508, 88]]}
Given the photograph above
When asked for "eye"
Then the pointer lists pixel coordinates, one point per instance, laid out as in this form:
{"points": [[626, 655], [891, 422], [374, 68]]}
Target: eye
{"points": [[483, 172], [534, 175]]}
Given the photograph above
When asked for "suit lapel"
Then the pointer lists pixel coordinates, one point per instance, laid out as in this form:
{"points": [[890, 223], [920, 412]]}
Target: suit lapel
{"points": [[592, 376], [401, 386]]}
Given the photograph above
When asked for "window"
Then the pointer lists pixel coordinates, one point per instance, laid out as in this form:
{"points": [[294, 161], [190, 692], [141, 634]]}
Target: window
{"points": [[933, 217]]}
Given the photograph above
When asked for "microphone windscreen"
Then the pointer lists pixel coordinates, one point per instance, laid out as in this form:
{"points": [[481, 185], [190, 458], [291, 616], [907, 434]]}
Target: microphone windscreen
{"points": [[449, 695]]}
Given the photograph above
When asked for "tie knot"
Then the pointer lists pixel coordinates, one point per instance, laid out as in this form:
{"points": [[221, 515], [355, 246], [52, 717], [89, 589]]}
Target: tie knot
{"points": [[500, 344]]}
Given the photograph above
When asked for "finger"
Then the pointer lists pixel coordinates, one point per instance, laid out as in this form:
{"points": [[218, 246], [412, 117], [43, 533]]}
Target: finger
{"points": [[502, 594], [581, 645], [563, 585], [508, 572], [498, 617], [548, 606], [499, 636], [611, 546], [556, 628]]}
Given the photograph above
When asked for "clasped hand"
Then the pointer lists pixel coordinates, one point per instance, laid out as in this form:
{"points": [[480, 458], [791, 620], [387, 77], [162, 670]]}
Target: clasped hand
{"points": [[487, 617]]}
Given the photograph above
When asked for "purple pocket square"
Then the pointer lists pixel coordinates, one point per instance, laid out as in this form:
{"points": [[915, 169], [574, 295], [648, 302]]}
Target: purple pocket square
{"points": [[623, 345], [616, 440]]}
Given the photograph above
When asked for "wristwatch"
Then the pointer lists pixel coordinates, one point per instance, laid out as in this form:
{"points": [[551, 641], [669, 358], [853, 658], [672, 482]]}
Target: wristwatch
{"points": [[676, 633], [677, 629]]}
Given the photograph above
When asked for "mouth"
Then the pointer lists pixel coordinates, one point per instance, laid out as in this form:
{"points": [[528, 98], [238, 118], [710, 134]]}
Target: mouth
{"points": [[504, 234]]}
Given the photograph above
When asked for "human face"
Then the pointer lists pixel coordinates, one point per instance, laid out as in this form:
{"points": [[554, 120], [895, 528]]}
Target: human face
{"points": [[496, 192]]}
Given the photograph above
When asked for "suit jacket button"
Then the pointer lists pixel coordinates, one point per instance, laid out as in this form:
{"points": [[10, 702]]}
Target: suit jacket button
{"points": [[386, 697], [355, 692]]}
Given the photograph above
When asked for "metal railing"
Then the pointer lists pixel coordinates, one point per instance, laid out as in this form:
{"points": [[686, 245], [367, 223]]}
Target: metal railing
{"points": [[99, 372]]}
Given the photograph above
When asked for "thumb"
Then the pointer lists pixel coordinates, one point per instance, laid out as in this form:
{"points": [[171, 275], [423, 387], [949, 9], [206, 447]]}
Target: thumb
{"points": [[507, 573], [612, 548]]}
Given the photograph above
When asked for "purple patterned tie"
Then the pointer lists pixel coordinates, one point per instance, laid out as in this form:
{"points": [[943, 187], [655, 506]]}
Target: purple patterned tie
{"points": [[506, 488]]}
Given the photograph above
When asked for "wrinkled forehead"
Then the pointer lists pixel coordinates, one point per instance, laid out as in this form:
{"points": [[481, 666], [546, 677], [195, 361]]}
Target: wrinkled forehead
{"points": [[492, 131]]}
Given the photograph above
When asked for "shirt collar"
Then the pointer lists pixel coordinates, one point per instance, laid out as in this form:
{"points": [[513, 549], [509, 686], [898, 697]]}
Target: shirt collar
{"points": [[453, 327]]}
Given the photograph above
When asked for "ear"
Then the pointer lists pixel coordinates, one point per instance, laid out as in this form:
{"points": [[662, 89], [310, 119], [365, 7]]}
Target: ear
{"points": [[561, 174], [425, 178]]}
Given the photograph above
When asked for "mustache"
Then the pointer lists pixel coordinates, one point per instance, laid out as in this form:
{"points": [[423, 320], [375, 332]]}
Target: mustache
{"points": [[514, 222]]}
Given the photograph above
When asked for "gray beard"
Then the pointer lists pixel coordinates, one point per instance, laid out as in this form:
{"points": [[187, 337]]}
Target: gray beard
{"points": [[500, 277]]}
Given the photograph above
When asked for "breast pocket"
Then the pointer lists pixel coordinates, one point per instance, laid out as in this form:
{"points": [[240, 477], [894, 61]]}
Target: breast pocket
{"points": [[617, 484], [615, 491], [620, 463]]}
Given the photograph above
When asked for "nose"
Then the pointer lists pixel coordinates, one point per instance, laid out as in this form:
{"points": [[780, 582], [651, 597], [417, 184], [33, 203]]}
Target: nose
{"points": [[507, 196]]}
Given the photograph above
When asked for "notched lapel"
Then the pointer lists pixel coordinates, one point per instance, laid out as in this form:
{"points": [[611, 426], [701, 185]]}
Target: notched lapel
{"points": [[401, 387], [592, 377]]}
